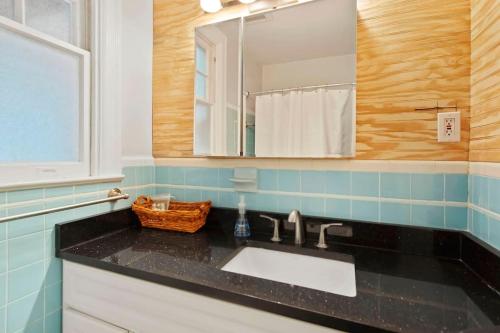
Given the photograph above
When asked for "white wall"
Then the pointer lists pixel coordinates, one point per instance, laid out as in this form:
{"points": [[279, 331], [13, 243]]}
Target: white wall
{"points": [[253, 74], [253, 80], [231, 30], [337, 69], [137, 78]]}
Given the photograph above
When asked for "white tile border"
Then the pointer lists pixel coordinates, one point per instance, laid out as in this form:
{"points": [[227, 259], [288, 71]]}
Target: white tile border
{"points": [[484, 211], [73, 196], [316, 164], [485, 169]]}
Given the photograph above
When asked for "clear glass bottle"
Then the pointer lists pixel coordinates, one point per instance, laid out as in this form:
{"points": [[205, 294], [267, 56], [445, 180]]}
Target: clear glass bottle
{"points": [[242, 227]]}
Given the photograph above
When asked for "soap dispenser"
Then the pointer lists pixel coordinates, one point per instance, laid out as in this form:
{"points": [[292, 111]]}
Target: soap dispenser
{"points": [[241, 227]]}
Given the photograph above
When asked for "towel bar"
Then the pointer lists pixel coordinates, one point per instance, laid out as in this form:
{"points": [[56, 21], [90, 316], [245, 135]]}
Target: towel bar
{"points": [[113, 195]]}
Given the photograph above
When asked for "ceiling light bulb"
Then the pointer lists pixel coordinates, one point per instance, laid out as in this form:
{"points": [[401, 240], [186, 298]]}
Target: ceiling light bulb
{"points": [[211, 6], [247, 1]]}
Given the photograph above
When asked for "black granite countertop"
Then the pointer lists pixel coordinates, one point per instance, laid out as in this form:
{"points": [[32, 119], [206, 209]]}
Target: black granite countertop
{"points": [[397, 291]]}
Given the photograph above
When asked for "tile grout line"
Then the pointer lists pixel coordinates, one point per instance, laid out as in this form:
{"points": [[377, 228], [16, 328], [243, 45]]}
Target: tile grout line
{"points": [[489, 208], [485, 211], [44, 269], [444, 198], [379, 197], [411, 197], [350, 193], [6, 274]]}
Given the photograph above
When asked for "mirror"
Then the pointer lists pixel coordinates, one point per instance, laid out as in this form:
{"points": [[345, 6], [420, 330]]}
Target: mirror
{"points": [[294, 73]]}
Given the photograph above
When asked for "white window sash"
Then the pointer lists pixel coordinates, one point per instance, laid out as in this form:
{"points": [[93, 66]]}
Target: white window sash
{"points": [[102, 76], [36, 171], [78, 34]]}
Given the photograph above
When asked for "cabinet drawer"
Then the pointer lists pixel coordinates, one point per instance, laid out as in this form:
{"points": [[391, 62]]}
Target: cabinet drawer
{"points": [[77, 322], [145, 307]]}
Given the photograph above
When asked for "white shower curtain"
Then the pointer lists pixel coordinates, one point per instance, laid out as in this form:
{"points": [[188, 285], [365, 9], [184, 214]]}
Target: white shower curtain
{"points": [[316, 123]]}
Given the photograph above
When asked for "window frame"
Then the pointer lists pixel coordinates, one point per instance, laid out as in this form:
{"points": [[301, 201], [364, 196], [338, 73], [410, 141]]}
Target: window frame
{"points": [[79, 11], [42, 170], [104, 31], [208, 100]]}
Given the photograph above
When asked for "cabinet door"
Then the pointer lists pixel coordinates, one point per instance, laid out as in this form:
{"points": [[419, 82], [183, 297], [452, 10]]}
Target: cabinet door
{"points": [[77, 322]]}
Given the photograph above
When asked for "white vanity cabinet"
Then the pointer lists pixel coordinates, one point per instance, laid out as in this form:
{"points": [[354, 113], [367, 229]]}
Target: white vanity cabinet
{"points": [[77, 322], [99, 301]]}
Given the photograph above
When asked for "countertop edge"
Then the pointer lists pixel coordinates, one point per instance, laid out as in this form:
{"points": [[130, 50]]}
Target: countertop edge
{"points": [[240, 299]]}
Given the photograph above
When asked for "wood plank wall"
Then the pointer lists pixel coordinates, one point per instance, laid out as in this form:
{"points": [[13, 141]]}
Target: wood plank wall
{"points": [[485, 81], [411, 54]]}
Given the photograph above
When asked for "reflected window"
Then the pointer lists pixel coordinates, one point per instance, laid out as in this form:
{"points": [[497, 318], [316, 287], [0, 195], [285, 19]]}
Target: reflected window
{"points": [[204, 100]]}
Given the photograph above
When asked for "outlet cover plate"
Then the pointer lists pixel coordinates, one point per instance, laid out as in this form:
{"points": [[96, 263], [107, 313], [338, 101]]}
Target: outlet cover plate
{"points": [[449, 127]]}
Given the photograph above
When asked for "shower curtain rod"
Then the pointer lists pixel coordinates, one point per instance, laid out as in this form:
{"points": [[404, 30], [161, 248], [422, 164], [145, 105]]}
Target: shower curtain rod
{"points": [[298, 88]]}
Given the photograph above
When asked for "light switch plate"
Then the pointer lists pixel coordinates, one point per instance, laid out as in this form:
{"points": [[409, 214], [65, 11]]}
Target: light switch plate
{"points": [[449, 127]]}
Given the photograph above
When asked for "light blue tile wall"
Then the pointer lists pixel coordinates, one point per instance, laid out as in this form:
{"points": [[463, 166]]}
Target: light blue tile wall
{"points": [[365, 196], [420, 199], [30, 274], [393, 212], [484, 218]]}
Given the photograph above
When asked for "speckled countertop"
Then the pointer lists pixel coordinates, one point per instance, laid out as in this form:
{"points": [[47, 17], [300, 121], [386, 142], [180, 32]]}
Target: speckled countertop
{"points": [[396, 292]]}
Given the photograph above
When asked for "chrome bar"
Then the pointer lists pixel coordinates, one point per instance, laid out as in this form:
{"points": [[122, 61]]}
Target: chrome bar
{"points": [[113, 195], [299, 88]]}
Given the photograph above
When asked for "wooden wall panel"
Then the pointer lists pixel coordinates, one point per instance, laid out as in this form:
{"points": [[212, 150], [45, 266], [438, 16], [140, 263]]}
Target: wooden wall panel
{"points": [[411, 53], [485, 81]]}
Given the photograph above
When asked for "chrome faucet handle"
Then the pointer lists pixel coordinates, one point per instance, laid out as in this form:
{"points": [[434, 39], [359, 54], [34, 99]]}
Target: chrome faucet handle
{"points": [[276, 234], [321, 242]]}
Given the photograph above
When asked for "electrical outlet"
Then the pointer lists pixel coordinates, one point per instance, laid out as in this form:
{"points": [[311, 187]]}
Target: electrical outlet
{"points": [[449, 127]]}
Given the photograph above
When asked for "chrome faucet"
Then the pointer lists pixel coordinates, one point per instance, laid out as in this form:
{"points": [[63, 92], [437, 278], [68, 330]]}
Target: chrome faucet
{"points": [[296, 218], [321, 242], [276, 234]]}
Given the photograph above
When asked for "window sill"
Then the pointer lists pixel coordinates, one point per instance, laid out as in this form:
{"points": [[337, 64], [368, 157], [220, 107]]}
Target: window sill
{"points": [[60, 183]]}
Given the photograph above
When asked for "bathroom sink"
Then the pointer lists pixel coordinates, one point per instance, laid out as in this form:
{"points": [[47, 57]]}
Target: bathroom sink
{"points": [[333, 276]]}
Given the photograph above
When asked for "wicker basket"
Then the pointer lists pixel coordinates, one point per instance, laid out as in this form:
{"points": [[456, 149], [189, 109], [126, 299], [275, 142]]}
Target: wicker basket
{"points": [[181, 216]]}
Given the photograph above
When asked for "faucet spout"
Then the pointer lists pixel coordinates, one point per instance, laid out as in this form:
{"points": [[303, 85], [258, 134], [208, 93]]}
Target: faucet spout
{"points": [[296, 218]]}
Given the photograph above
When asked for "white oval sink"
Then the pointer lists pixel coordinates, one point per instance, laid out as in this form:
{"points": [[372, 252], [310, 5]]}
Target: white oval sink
{"points": [[333, 276]]}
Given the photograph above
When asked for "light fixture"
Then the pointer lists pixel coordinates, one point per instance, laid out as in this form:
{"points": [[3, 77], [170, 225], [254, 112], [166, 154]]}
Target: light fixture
{"points": [[263, 5], [211, 6]]}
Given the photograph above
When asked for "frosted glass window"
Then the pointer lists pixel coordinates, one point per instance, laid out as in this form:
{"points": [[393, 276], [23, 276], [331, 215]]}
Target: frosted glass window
{"points": [[40, 101], [202, 72], [201, 59], [7, 8], [52, 17], [202, 129], [201, 86]]}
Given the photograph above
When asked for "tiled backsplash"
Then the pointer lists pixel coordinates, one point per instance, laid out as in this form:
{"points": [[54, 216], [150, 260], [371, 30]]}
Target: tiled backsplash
{"points": [[434, 200], [30, 275], [484, 212]]}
